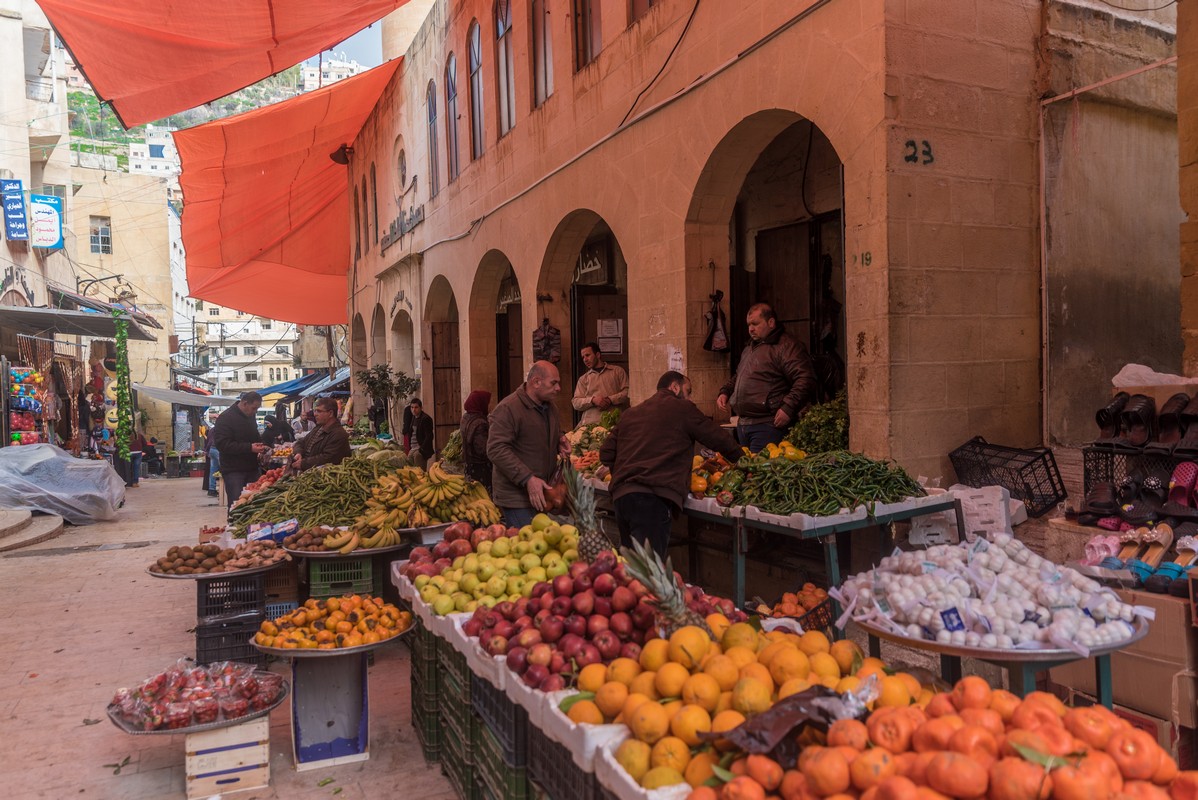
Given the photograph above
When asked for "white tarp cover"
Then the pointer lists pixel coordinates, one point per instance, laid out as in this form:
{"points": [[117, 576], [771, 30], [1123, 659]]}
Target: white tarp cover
{"points": [[183, 398], [42, 477]]}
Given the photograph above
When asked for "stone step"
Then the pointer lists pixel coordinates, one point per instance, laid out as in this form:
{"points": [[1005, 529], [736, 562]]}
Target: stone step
{"points": [[13, 520], [40, 528]]}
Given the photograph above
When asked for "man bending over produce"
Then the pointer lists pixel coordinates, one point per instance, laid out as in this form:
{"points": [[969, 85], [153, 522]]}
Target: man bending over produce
{"points": [[328, 444]]}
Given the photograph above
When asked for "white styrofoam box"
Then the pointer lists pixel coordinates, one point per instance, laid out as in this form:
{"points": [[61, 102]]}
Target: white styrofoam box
{"points": [[228, 759], [611, 776], [442, 625], [492, 669], [581, 740], [458, 638], [1017, 510], [932, 497], [802, 522], [708, 505], [986, 510], [402, 585], [937, 528]]}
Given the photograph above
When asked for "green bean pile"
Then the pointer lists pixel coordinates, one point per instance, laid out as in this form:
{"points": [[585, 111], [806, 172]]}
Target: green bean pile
{"points": [[332, 495], [823, 484]]}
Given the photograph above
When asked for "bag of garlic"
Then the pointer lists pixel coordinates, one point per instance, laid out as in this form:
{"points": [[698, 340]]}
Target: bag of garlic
{"points": [[994, 594]]}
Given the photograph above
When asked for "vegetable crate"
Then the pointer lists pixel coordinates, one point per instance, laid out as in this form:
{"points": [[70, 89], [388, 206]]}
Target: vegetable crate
{"points": [[552, 768], [229, 640], [500, 780], [340, 576], [228, 759], [282, 584], [229, 595], [506, 721], [1029, 475], [425, 718]]}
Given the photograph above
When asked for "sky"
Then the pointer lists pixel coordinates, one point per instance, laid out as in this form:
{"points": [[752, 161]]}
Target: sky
{"points": [[365, 47]]}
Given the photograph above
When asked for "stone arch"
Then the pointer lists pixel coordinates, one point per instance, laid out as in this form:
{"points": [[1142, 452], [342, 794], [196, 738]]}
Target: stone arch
{"points": [[441, 382], [496, 326], [403, 343]]}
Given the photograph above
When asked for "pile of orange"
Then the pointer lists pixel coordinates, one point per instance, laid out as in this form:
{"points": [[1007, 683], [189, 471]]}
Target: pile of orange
{"points": [[973, 742], [349, 621], [795, 604]]}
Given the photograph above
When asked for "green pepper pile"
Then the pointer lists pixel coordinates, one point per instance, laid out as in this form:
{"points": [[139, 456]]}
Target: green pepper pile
{"points": [[820, 485]]}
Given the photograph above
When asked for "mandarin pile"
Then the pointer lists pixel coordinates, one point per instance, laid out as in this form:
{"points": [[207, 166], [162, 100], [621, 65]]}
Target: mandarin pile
{"points": [[348, 621]]}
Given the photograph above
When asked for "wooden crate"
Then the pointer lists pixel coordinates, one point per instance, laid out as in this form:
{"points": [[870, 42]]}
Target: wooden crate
{"points": [[228, 759]]}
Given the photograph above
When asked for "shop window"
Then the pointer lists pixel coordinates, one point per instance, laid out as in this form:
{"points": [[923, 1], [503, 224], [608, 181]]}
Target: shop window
{"points": [[267, 324], [542, 53], [374, 202], [587, 39], [401, 167], [286, 374], [452, 163], [504, 66], [284, 349], [434, 181], [101, 234], [234, 377], [476, 90], [249, 351]]}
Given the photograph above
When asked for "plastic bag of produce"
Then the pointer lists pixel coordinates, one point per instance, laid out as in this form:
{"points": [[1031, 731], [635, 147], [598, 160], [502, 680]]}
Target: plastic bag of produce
{"points": [[42, 477]]}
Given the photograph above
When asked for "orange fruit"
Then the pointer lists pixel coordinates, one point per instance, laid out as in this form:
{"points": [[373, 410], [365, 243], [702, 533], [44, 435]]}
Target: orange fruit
{"points": [[724, 670], [645, 684], [1185, 786], [623, 670], [718, 623], [1166, 770], [772, 649], [813, 642], [1016, 779], [702, 690], [701, 768], [940, 705], [688, 645], [1071, 783], [724, 703], [742, 787], [740, 634], [689, 722], [788, 664], [1104, 766], [1030, 740], [848, 733], [914, 687], [726, 721], [794, 786], [896, 787], [765, 771], [750, 696], [824, 665], [670, 751], [971, 692], [871, 768], [847, 684], [611, 698], [1089, 725], [1144, 790], [634, 700], [893, 691], [649, 722], [890, 729], [657, 777], [826, 769], [741, 656], [670, 679], [591, 677], [1135, 752], [585, 712], [957, 775], [1004, 703], [847, 654], [633, 755], [654, 653], [759, 673], [984, 718], [1030, 715], [976, 742]]}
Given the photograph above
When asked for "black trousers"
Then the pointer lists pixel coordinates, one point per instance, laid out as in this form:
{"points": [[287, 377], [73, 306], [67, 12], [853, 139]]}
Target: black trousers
{"points": [[236, 481], [645, 517]]}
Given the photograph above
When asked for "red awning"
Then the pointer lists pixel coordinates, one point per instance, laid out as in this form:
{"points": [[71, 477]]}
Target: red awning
{"points": [[266, 211], [153, 58]]}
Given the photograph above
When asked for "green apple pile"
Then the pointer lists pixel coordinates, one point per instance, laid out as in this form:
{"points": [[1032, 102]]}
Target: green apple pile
{"points": [[486, 566]]}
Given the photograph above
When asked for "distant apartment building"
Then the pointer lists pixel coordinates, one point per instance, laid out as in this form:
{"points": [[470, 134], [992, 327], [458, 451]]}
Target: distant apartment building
{"points": [[245, 352], [157, 155], [329, 71]]}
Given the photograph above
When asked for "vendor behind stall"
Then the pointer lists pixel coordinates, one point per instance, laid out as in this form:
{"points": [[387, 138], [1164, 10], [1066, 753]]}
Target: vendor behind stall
{"points": [[328, 444]]}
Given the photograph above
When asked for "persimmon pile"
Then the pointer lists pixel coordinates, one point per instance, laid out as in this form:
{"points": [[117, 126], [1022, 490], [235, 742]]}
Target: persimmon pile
{"points": [[972, 742]]}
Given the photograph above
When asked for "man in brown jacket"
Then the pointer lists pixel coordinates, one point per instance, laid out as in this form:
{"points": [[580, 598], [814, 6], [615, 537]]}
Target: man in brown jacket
{"points": [[649, 454], [773, 383], [328, 444], [523, 444]]}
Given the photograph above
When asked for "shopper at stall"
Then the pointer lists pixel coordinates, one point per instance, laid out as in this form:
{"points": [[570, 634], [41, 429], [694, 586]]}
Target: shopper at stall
{"points": [[304, 424], [422, 434], [773, 384], [474, 428], [406, 431], [649, 455], [328, 444], [524, 442], [236, 438], [151, 458], [213, 461], [601, 387], [277, 431], [137, 443]]}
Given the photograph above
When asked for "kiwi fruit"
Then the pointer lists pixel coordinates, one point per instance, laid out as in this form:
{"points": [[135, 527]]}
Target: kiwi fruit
{"points": [[211, 550], [186, 552], [174, 551], [191, 562], [209, 563], [178, 562], [221, 558]]}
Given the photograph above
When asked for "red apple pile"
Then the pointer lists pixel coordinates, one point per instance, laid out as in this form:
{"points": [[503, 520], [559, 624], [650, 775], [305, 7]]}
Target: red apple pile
{"points": [[459, 539]]}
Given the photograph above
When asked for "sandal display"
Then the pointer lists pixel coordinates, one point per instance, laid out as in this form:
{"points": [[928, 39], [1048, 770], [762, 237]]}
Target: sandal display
{"points": [[1108, 416], [1146, 508], [1138, 427], [1170, 426], [1170, 571], [1157, 543]]}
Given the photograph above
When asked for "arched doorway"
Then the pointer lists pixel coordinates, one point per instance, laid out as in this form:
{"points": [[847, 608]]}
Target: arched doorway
{"points": [[496, 327], [442, 357], [583, 292], [769, 204], [403, 356], [378, 337], [357, 362]]}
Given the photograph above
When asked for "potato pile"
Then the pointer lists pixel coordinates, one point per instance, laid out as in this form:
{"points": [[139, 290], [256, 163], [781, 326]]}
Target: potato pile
{"points": [[210, 558]]}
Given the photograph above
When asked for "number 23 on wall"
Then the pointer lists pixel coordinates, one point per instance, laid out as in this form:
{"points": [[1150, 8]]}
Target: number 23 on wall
{"points": [[918, 153]]}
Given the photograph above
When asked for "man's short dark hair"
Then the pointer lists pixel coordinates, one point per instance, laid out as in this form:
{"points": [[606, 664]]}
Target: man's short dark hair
{"points": [[669, 378], [593, 347], [766, 310], [326, 403], [250, 397], [415, 401]]}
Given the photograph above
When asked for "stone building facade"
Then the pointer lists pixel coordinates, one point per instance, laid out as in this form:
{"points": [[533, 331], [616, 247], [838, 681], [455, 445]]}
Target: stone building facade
{"points": [[868, 166]]}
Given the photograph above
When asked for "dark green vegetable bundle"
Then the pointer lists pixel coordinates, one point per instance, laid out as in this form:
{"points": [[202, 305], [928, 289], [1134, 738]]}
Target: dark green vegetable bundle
{"points": [[823, 484], [331, 495], [824, 427]]}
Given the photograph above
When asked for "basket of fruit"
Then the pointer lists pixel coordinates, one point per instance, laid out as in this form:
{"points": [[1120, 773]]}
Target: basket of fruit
{"points": [[810, 607]]}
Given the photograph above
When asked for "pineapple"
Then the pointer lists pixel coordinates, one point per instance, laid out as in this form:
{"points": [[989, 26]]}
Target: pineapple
{"points": [[669, 603], [581, 497]]}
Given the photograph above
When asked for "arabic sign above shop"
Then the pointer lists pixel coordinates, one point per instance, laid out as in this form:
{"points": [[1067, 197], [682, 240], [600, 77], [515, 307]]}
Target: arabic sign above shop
{"points": [[16, 229]]}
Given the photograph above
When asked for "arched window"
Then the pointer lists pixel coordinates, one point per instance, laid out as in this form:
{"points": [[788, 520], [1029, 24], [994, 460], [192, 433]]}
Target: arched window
{"points": [[374, 202], [401, 168], [452, 162], [504, 66], [587, 39], [365, 218], [476, 90], [434, 181], [357, 224], [542, 53], [272, 374]]}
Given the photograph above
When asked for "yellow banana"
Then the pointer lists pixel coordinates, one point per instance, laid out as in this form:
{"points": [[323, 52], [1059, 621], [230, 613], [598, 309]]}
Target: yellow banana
{"points": [[351, 545]]}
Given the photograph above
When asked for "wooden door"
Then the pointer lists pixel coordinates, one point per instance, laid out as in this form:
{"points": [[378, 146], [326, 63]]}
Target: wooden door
{"points": [[447, 380], [509, 351], [783, 258]]}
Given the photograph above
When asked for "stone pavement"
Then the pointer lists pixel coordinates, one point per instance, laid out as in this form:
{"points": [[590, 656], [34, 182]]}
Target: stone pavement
{"points": [[83, 618]]}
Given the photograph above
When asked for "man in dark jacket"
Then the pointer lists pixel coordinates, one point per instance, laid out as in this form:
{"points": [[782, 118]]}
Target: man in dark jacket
{"points": [[649, 454], [523, 444], [236, 437], [328, 444], [773, 383], [473, 429], [422, 435]]}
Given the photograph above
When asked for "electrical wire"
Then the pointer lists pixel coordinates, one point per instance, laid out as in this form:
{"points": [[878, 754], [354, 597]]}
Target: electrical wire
{"points": [[664, 64], [1126, 8]]}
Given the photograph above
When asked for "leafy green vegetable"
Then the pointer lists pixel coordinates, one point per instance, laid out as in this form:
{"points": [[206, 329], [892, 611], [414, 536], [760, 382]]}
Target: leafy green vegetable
{"points": [[825, 426]]}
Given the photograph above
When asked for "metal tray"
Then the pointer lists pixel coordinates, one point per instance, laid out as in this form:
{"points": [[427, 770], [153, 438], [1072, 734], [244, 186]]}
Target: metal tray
{"points": [[340, 651], [1003, 656], [125, 726], [358, 553], [203, 576]]}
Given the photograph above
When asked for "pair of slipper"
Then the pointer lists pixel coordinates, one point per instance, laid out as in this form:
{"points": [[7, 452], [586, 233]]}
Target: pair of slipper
{"points": [[1142, 550], [1127, 423]]}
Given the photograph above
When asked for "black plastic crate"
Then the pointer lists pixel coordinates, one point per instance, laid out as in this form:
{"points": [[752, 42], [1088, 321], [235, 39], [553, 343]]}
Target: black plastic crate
{"points": [[282, 584], [500, 780], [552, 768], [229, 640], [461, 725], [1103, 465], [423, 647], [230, 594], [330, 578], [425, 719], [1030, 475], [453, 665], [507, 721], [455, 763], [276, 610]]}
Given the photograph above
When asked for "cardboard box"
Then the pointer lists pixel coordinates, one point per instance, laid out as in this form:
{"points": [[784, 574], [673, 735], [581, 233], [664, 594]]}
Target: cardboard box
{"points": [[1179, 742], [1157, 675]]}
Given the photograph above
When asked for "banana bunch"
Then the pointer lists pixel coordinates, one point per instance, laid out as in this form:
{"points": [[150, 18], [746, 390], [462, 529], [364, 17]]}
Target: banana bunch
{"points": [[433, 494], [480, 512], [418, 517], [383, 518], [383, 537], [345, 542], [410, 476]]}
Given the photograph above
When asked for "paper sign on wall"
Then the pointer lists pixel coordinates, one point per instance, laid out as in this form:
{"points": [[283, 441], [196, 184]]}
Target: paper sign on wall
{"points": [[610, 335], [45, 220]]}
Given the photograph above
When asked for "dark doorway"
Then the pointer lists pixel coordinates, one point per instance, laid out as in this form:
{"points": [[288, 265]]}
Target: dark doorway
{"points": [[447, 379]]}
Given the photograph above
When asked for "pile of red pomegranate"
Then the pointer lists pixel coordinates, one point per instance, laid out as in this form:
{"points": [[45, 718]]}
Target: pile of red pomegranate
{"points": [[594, 613]]}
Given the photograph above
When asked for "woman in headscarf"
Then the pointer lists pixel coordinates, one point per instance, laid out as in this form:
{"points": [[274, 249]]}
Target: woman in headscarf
{"points": [[276, 432], [474, 429]]}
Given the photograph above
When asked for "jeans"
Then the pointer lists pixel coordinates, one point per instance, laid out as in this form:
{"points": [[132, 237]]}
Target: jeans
{"points": [[756, 437], [213, 468], [645, 517], [236, 481], [134, 468], [518, 517]]}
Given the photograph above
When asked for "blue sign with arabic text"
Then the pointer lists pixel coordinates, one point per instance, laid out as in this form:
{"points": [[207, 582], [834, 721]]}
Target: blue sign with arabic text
{"points": [[15, 226], [45, 220]]}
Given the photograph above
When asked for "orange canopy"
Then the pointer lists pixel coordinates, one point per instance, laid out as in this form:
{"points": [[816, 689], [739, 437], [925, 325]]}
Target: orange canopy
{"points": [[266, 211], [152, 58]]}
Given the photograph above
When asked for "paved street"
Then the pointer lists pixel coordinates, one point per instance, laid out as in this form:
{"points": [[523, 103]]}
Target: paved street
{"points": [[83, 618]]}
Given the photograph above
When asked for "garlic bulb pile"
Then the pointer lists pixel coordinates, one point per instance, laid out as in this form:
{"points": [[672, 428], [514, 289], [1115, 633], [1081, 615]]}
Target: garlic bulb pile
{"points": [[993, 594]]}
